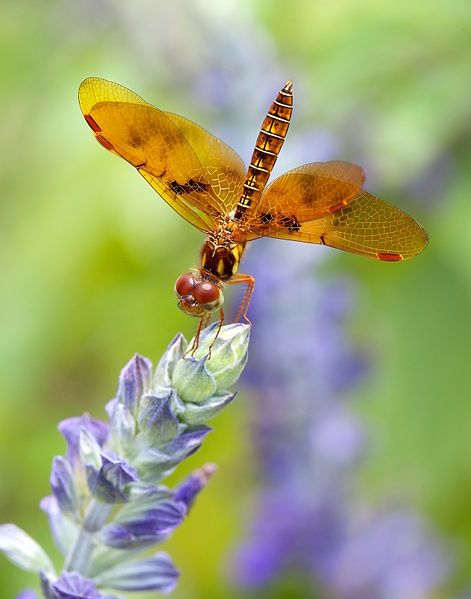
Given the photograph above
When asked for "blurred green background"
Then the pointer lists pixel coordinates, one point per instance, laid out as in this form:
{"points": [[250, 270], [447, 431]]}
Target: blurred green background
{"points": [[89, 253]]}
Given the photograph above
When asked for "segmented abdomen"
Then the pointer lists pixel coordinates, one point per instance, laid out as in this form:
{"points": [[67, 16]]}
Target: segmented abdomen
{"points": [[267, 147]]}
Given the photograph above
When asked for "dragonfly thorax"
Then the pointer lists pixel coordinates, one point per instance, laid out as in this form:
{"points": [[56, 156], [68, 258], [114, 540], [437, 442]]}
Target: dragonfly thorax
{"points": [[221, 259]]}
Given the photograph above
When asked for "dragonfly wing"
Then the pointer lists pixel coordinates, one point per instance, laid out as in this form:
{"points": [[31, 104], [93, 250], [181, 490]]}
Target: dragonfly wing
{"points": [[196, 173], [307, 192], [324, 203]]}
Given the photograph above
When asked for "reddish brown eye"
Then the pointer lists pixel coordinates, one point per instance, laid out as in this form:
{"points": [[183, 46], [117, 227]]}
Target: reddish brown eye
{"points": [[184, 284], [206, 293]]}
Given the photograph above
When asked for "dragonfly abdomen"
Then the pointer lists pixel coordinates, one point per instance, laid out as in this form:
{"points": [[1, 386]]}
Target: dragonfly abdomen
{"points": [[267, 147]]}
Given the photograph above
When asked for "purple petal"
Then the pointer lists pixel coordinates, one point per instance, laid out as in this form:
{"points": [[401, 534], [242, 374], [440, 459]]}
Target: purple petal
{"points": [[63, 529], [63, 485], [134, 381], [173, 353], [70, 430], [70, 585], [193, 484], [110, 482], [194, 414], [156, 573], [28, 594], [153, 463], [148, 528], [157, 419], [186, 443], [110, 407]]}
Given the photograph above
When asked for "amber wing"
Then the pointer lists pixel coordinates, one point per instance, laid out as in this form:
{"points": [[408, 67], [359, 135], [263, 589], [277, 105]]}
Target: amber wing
{"points": [[196, 173], [324, 203]]}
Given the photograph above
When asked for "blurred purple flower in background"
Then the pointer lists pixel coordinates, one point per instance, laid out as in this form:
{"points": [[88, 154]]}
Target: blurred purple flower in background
{"points": [[308, 443]]}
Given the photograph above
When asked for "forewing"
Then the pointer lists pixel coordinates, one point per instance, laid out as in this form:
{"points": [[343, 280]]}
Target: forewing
{"points": [[196, 173], [223, 166]]}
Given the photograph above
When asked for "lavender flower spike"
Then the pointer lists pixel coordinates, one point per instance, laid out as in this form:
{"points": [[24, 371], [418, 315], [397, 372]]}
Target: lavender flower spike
{"points": [[108, 504]]}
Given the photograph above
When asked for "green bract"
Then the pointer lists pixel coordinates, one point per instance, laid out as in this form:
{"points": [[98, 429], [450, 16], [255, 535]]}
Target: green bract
{"points": [[215, 365]]}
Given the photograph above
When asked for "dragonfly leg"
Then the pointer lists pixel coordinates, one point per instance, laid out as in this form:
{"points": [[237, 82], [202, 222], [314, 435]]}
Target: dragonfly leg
{"points": [[221, 322], [203, 323], [249, 281]]}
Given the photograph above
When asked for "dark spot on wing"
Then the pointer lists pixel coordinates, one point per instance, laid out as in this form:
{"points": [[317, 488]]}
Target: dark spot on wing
{"points": [[291, 223], [266, 218], [340, 220], [189, 186], [138, 138], [197, 186], [177, 188]]}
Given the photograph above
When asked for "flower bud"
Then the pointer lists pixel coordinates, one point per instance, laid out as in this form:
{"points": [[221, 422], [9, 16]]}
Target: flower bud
{"points": [[90, 450], [193, 484], [123, 428], [63, 485], [70, 585], [153, 463], [134, 381], [228, 352], [156, 573], [148, 528], [22, 550], [173, 353], [193, 381], [109, 483], [194, 414], [157, 420], [70, 430]]}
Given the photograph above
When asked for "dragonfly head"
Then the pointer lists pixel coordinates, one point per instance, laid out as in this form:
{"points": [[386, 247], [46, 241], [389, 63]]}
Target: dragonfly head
{"points": [[198, 296]]}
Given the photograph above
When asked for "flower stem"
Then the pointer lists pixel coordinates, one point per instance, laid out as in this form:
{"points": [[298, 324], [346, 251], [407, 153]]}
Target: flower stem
{"points": [[80, 552]]}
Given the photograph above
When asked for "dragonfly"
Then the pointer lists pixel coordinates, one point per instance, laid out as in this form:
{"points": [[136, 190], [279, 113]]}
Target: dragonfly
{"points": [[206, 182]]}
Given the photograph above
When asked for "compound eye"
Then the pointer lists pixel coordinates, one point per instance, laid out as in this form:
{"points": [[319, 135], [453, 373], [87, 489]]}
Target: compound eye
{"points": [[184, 284], [206, 293]]}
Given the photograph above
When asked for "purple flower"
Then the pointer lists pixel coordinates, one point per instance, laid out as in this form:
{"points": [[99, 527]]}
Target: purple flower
{"points": [[70, 585], [107, 506], [28, 594], [157, 418], [294, 529], [148, 528], [63, 485], [156, 573], [70, 429], [194, 484], [389, 556], [134, 381], [187, 443], [109, 483]]}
